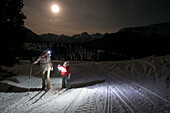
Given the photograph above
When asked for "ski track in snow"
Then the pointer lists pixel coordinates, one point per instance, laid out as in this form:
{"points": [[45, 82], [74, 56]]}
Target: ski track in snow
{"points": [[156, 102], [116, 94]]}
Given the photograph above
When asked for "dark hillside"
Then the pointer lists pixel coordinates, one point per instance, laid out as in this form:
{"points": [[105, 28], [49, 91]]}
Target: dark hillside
{"points": [[136, 43]]}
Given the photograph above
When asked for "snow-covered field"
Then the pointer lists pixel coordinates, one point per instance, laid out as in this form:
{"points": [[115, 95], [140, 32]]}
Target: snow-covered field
{"points": [[133, 86]]}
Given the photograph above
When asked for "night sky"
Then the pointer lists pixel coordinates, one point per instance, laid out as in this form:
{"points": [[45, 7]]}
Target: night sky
{"points": [[93, 16]]}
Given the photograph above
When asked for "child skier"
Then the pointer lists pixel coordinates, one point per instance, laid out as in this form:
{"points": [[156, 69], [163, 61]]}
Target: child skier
{"points": [[65, 73]]}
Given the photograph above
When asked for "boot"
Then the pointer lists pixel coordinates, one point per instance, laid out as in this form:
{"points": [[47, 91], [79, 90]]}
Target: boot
{"points": [[43, 87]]}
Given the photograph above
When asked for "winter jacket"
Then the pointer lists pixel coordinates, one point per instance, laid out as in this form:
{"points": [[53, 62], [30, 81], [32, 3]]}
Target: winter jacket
{"points": [[65, 71], [45, 62]]}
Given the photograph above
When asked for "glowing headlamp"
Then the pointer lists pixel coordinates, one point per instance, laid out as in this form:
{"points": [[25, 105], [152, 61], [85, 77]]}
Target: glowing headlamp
{"points": [[49, 52]]}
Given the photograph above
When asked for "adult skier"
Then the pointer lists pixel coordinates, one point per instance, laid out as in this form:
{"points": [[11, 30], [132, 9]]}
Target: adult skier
{"points": [[46, 67], [65, 73]]}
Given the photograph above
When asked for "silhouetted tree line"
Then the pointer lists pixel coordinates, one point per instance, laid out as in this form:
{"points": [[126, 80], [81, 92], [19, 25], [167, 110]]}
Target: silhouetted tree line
{"points": [[11, 33], [63, 51], [11, 30]]}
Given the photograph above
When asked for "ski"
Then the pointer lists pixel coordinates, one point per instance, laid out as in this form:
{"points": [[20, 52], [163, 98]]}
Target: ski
{"points": [[35, 95], [57, 91], [49, 90], [62, 92], [40, 97]]}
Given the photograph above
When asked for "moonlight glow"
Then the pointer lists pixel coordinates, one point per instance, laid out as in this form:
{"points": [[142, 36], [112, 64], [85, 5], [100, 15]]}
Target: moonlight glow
{"points": [[55, 8]]}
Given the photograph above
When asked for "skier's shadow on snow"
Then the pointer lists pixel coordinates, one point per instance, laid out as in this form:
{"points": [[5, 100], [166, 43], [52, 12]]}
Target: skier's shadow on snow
{"points": [[91, 83], [4, 87]]}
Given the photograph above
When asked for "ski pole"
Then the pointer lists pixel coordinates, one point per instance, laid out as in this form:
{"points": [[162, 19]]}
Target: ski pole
{"points": [[30, 78]]}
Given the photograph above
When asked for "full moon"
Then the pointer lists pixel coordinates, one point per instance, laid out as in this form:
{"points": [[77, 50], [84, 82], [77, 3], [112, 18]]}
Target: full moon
{"points": [[55, 8]]}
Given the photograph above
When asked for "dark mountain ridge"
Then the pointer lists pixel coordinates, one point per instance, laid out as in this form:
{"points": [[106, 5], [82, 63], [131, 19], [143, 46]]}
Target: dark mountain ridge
{"points": [[53, 38], [131, 41], [136, 41], [128, 42]]}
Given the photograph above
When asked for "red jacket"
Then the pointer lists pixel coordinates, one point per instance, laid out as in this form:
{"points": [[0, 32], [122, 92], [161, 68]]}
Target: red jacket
{"points": [[65, 71]]}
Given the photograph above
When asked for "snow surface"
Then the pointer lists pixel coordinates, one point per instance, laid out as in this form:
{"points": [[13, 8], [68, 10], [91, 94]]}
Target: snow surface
{"points": [[135, 86]]}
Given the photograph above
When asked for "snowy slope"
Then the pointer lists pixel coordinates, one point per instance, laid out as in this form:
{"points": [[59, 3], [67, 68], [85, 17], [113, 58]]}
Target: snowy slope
{"points": [[133, 86]]}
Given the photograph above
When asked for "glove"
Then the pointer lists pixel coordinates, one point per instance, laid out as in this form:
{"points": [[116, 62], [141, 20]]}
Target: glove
{"points": [[35, 62], [51, 69]]}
